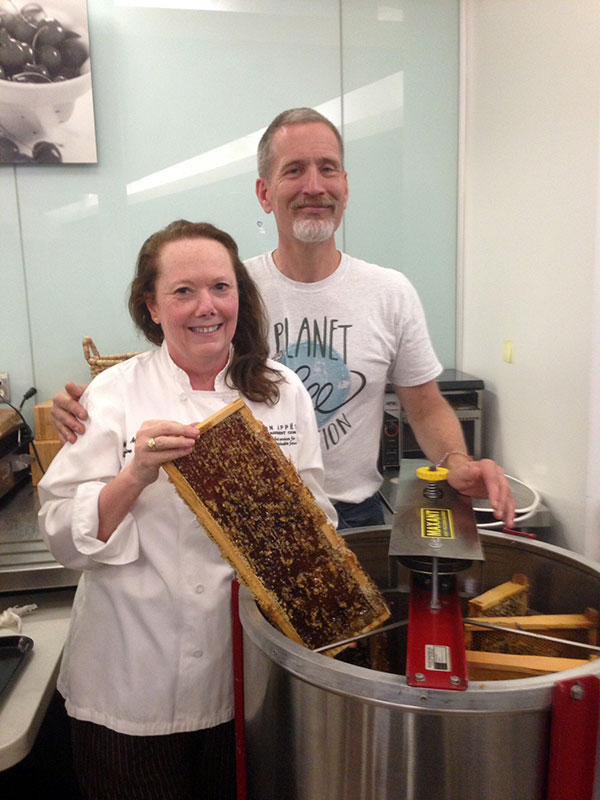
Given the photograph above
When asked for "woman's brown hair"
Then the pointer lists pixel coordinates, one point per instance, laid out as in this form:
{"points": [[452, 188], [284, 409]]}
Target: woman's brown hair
{"points": [[248, 370]]}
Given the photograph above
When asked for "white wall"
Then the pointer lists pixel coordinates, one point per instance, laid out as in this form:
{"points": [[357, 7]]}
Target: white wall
{"points": [[529, 245]]}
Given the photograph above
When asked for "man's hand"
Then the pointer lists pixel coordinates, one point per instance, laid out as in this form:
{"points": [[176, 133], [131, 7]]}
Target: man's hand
{"points": [[483, 479], [438, 431], [67, 413]]}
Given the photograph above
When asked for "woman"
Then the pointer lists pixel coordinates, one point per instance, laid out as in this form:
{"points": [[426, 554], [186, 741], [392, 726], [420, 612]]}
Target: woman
{"points": [[147, 668]]}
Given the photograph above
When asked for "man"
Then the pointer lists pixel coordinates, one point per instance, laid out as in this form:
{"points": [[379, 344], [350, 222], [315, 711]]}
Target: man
{"points": [[346, 327]]}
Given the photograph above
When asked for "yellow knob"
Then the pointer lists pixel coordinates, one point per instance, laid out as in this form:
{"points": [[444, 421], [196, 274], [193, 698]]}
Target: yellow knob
{"points": [[432, 473]]}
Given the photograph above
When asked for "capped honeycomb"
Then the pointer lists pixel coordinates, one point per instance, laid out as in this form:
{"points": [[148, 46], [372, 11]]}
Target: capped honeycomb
{"points": [[253, 504], [567, 627], [509, 599]]}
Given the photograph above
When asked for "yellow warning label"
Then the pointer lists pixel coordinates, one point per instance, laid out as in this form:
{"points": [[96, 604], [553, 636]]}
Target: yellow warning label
{"points": [[436, 523]]}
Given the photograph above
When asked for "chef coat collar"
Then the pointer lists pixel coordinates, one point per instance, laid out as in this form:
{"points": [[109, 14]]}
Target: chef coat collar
{"points": [[181, 377]]}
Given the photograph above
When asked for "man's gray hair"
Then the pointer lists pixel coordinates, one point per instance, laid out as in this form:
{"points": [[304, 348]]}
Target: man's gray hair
{"points": [[293, 116]]}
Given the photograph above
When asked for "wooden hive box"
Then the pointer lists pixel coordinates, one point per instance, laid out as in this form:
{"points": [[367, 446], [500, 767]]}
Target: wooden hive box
{"points": [[46, 452], [9, 421], [45, 429], [573, 627], [506, 600], [46, 440], [252, 503], [507, 666]]}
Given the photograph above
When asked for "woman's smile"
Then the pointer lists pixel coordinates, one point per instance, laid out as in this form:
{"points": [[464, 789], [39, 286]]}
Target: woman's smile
{"points": [[206, 330]]}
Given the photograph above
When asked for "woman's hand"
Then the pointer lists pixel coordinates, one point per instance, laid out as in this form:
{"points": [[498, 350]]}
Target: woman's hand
{"points": [[156, 442]]}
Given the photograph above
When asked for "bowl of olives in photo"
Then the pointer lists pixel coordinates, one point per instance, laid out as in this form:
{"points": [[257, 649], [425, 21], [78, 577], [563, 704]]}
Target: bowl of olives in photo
{"points": [[44, 65]]}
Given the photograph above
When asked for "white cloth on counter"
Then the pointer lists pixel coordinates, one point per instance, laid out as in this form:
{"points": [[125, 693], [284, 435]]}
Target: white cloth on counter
{"points": [[347, 336], [149, 648], [12, 617]]}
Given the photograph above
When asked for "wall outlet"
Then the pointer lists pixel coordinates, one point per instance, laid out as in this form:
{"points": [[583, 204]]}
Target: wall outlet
{"points": [[4, 386]]}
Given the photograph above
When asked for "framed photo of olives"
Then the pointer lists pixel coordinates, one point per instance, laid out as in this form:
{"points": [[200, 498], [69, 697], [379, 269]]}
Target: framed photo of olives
{"points": [[46, 103]]}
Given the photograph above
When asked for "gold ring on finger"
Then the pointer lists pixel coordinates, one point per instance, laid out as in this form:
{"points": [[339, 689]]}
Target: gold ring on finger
{"points": [[151, 444]]}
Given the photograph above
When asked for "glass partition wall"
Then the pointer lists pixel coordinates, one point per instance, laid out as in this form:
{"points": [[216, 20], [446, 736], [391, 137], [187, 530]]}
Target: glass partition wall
{"points": [[182, 91]]}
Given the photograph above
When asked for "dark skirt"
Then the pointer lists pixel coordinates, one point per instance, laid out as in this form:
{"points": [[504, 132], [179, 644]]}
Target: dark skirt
{"points": [[180, 766]]}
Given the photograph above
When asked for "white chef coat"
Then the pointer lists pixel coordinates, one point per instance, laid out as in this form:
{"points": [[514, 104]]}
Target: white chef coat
{"points": [[149, 647]]}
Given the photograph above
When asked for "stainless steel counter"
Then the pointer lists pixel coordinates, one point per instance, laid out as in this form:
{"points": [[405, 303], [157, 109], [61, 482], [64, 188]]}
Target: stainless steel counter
{"points": [[25, 562]]}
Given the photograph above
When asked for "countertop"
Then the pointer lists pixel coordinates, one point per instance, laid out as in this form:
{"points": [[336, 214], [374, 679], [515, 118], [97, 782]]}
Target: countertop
{"points": [[29, 574], [24, 702], [25, 562]]}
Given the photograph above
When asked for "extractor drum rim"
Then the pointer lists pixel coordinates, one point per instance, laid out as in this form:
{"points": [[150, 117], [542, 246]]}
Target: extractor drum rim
{"points": [[510, 696]]}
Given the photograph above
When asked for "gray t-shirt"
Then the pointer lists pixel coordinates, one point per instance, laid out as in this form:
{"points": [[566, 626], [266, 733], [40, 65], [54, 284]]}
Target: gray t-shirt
{"points": [[346, 337]]}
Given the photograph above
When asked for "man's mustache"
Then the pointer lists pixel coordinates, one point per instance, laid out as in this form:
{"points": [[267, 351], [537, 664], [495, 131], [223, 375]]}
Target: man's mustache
{"points": [[312, 201]]}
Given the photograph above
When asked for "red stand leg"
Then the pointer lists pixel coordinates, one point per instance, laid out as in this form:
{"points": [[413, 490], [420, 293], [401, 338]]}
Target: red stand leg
{"points": [[574, 739], [238, 692]]}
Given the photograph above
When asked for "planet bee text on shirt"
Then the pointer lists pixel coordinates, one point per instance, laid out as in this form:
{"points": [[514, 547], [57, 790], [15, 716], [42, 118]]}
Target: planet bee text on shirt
{"points": [[346, 337]]}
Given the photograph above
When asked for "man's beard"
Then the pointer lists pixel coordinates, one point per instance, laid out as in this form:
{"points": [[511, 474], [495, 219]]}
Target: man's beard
{"points": [[311, 231]]}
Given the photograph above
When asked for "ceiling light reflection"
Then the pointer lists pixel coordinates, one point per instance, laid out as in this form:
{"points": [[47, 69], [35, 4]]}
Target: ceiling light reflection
{"points": [[307, 8], [86, 206], [369, 110]]}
